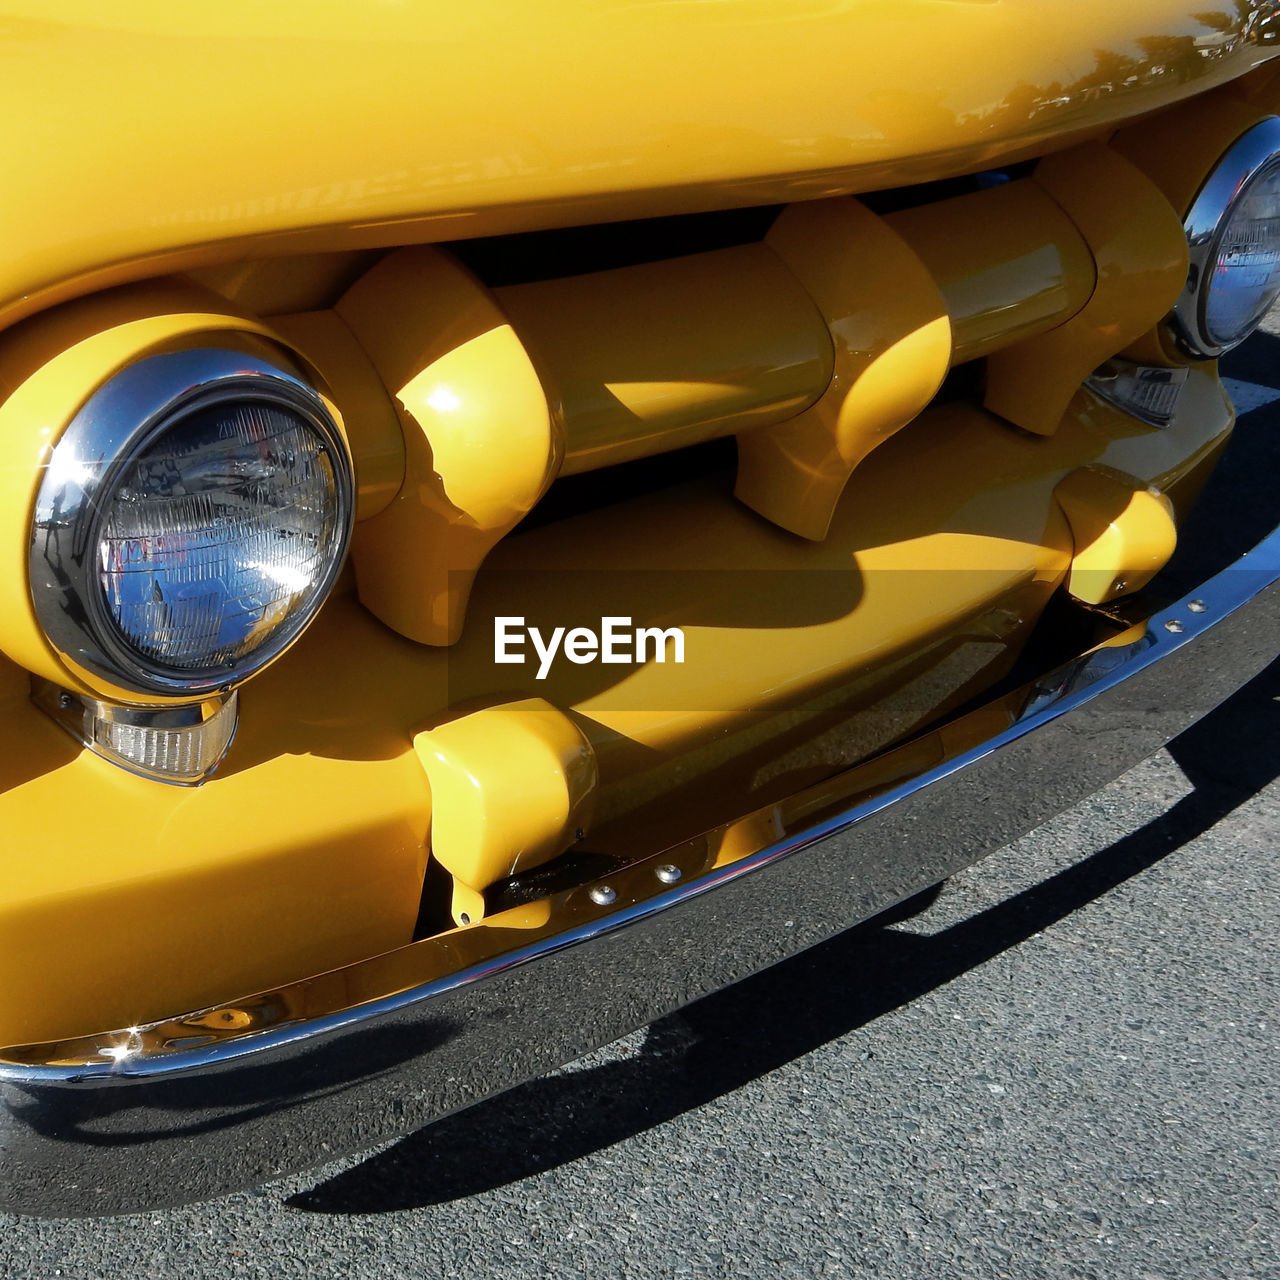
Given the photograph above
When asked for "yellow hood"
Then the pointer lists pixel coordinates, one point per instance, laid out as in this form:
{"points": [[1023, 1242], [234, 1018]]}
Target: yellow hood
{"points": [[167, 136]]}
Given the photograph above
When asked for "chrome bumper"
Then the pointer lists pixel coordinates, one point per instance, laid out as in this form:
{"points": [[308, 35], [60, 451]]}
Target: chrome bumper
{"points": [[227, 1098]]}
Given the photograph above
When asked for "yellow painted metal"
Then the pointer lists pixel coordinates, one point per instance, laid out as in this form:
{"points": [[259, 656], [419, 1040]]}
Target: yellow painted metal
{"points": [[305, 849], [511, 786], [1177, 149], [1123, 531], [328, 126], [295, 282], [1164, 460], [1172, 459], [948, 530], [372, 424], [48, 368], [1263, 86], [1140, 251], [893, 343], [480, 444], [122, 897], [654, 357], [648, 358], [1009, 263]]}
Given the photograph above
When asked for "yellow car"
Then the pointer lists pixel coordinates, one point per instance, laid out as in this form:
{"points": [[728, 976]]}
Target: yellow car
{"points": [[523, 515]]}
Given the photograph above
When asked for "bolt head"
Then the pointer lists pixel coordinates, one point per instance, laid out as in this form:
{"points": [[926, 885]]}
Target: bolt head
{"points": [[66, 701], [1198, 606], [603, 896], [1175, 626], [668, 874]]}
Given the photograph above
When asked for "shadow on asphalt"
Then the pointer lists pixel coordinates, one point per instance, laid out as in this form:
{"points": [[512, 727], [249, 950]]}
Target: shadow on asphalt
{"points": [[728, 1039]]}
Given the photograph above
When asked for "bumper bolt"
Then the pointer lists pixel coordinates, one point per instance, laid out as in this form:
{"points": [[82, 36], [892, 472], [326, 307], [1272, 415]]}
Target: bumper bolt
{"points": [[603, 896], [668, 874], [1198, 606], [1175, 626]]}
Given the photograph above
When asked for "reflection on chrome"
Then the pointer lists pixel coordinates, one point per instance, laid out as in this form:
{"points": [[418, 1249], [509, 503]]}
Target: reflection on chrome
{"points": [[1233, 232], [119, 1051], [191, 520]]}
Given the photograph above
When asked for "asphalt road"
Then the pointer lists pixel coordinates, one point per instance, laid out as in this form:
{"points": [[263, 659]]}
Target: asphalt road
{"points": [[1066, 1065]]}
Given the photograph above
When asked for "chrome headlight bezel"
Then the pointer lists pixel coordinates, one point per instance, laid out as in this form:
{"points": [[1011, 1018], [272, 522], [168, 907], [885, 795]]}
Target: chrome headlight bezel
{"points": [[1252, 157], [110, 432]]}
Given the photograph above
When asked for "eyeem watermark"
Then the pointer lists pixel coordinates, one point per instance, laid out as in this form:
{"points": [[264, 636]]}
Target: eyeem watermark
{"points": [[617, 641]]}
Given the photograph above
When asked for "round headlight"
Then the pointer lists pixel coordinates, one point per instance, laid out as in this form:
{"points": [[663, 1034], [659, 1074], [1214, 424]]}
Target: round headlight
{"points": [[191, 520], [1233, 231]]}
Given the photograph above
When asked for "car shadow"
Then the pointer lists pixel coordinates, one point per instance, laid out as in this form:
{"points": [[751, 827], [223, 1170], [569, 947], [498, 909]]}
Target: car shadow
{"points": [[726, 1040]]}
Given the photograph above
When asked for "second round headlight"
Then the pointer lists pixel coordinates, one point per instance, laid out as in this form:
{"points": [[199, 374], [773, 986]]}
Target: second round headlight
{"points": [[191, 521], [1233, 230]]}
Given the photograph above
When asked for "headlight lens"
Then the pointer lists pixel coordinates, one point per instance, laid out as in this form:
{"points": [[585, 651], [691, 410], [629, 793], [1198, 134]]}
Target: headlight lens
{"points": [[1233, 231], [1246, 268], [219, 531], [191, 521]]}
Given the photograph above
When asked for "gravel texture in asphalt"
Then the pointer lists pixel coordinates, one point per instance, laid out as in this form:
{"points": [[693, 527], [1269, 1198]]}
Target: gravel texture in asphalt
{"points": [[1065, 1065]]}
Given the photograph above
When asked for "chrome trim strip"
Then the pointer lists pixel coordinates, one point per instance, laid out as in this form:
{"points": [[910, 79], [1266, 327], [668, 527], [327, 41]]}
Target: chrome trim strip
{"points": [[235, 1096]]}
